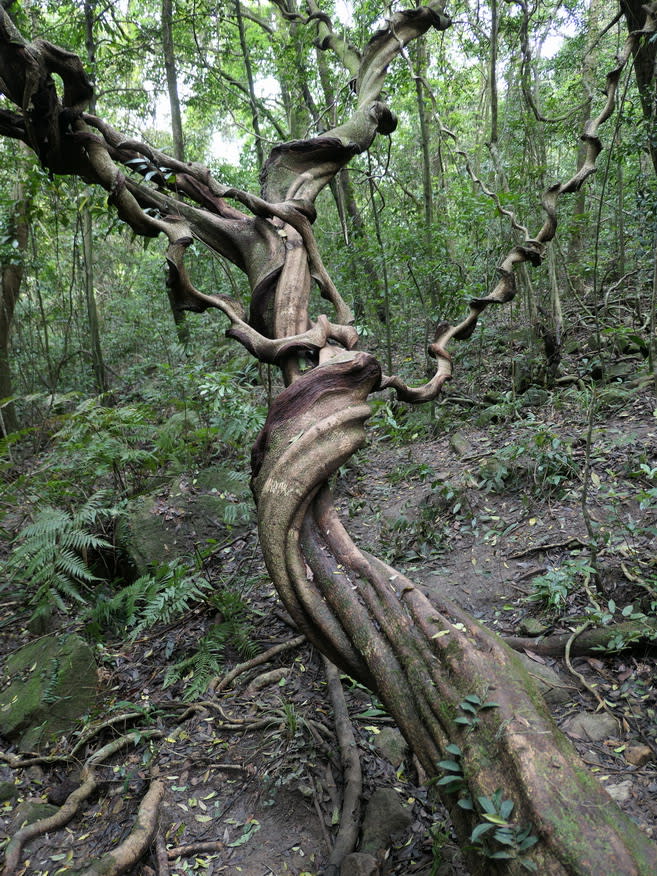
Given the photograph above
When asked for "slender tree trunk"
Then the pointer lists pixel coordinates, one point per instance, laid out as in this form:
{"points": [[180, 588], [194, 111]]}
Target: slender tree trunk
{"points": [[589, 66], [645, 61], [427, 184], [11, 276], [179, 318], [246, 56], [172, 80], [98, 364]]}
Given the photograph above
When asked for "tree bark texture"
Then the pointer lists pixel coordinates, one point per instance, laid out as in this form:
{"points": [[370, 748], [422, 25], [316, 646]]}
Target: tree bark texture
{"points": [[455, 689]]}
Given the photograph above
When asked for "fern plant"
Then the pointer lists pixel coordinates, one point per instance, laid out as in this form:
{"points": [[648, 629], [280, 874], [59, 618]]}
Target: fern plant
{"points": [[51, 554], [160, 596], [235, 630], [164, 596]]}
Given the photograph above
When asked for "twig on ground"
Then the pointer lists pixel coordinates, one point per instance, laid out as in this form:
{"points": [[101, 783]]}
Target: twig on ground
{"points": [[578, 675], [574, 541]]}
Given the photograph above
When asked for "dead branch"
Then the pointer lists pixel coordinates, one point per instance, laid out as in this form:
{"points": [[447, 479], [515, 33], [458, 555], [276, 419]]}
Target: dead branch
{"points": [[624, 635]]}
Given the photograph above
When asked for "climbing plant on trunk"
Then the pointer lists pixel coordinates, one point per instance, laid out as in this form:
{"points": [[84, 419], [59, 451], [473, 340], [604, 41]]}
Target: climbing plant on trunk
{"points": [[460, 696]]}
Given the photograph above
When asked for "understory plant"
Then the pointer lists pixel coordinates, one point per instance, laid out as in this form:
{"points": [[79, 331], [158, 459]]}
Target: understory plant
{"points": [[51, 563]]}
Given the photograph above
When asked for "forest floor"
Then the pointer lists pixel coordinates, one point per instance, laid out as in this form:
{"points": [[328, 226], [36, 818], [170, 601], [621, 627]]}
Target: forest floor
{"points": [[491, 513]]}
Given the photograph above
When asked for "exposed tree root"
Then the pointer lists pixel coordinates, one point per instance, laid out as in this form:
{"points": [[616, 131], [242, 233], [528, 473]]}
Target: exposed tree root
{"points": [[161, 855], [217, 685], [72, 803], [347, 836], [624, 635], [135, 845], [195, 849]]}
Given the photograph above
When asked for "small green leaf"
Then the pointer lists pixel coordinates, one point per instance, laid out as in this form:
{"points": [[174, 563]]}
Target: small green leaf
{"points": [[495, 819], [486, 804], [453, 749], [455, 782], [506, 808], [450, 765], [479, 831]]}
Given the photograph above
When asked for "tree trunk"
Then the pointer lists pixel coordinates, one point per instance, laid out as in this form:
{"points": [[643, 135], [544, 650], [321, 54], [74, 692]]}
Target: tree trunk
{"points": [[424, 659], [98, 364], [645, 58], [460, 696], [11, 277], [180, 321]]}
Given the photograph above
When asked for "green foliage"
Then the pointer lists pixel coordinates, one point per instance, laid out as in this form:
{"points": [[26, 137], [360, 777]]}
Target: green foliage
{"points": [[540, 462], [471, 706], [395, 423], [100, 442], [495, 836], [235, 630], [553, 588], [228, 395], [161, 596], [50, 562], [498, 839]]}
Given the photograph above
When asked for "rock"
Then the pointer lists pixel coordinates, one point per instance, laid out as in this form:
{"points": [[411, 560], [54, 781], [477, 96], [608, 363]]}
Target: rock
{"points": [[551, 685], [613, 397], [30, 811], [620, 792], [8, 791], [620, 370], [493, 473], [639, 755], [494, 414], [392, 745], [533, 397], [154, 527], [531, 626], [385, 815], [46, 687], [595, 727], [460, 444], [144, 535], [359, 864]]}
